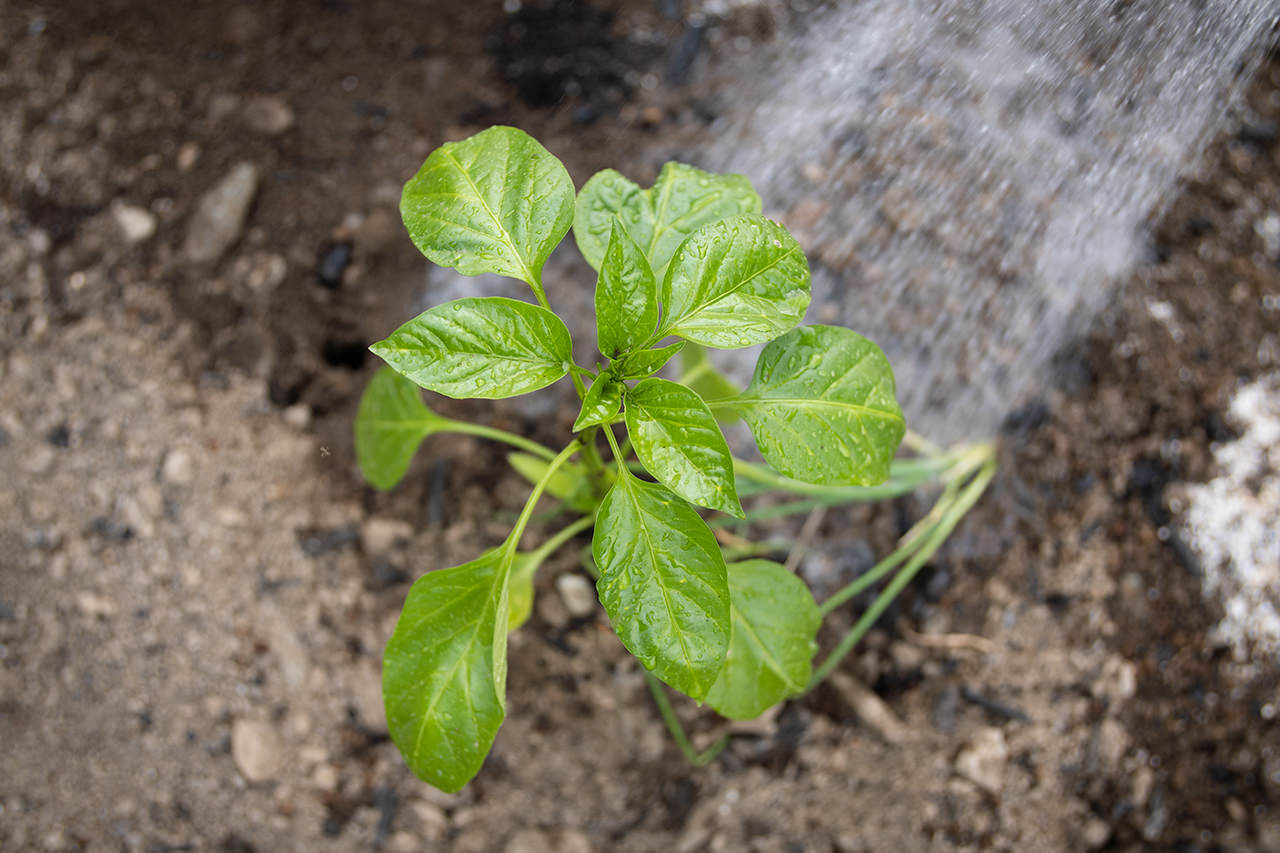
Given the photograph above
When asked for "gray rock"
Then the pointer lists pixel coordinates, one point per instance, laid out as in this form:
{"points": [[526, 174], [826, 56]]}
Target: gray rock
{"points": [[982, 761], [220, 215], [578, 594], [136, 224], [178, 468], [256, 749], [268, 115]]}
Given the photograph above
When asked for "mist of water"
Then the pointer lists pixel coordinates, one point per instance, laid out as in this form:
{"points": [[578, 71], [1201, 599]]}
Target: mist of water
{"points": [[971, 178]]}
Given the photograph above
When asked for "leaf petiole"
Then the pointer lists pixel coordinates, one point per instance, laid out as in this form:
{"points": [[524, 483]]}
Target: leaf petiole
{"points": [[518, 531], [668, 714], [953, 506], [495, 434]]}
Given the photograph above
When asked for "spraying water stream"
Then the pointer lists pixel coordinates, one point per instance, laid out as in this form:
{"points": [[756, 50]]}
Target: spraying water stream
{"points": [[971, 178]]}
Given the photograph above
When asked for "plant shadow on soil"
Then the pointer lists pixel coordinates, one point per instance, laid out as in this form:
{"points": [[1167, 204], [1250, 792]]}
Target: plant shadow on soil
{"points": [[191, 550]]}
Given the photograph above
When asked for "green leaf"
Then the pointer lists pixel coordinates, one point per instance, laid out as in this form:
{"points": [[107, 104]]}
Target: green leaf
{"points": [[677, 439], [663, 583], [681, 200], [445, 668], [626, 297], [488, 347], [773, 641], [520, 590], [390, 425], [497, 202], [601, 405], [569, 483], [641, 363], [821, 407], [735, 283], [700, 374]]}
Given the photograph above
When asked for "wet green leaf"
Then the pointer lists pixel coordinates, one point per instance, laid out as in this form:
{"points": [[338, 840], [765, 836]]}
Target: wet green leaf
{"points": [[735, 283], [641, 363], [663, 584], [822, 409], [679, 443], [569, 483], [773, 640], [681, 200], [390, 425], [444, 671], [626, 296], [601, 405], [496, 202], [488, 347]]}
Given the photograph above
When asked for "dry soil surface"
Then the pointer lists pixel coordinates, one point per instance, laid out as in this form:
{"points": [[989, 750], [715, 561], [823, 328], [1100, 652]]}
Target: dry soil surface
{"points": [[198, 237]]}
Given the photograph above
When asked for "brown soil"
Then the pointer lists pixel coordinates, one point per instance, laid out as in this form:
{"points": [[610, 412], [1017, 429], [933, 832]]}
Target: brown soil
{"points": [[195, 586]]}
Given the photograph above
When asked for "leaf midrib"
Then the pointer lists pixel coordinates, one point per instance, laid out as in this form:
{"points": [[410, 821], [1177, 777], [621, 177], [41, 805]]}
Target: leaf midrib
{"points": [[485, 204]]}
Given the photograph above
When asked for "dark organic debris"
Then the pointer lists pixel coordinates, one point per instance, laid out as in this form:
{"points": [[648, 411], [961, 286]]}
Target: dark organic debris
{"points": [[317, 542], [59, 436], [334, 260], [993, 706], [111, 530]]}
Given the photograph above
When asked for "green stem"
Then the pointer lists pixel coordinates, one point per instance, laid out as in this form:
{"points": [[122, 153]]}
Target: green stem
{"points": [[513, 541], [535, 282], [697, 759], [905, 476], [617, 451], [546, 549], [929, 544], [495, 434], [578, 384]]}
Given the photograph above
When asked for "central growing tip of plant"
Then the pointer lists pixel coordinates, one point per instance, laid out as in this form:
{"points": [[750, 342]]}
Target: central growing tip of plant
{"points": [[687, 263]]}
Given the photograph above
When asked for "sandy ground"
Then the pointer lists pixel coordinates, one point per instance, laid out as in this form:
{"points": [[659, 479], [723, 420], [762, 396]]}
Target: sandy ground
{"points": [[195, 586]]}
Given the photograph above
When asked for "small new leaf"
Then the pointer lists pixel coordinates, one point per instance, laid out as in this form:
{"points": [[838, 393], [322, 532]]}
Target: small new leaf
{"points": [[735, 283], [663, 583], [601, 405], [626, 296], [774, 637], [679, 443], [445, 668], [641, 363], [681, 200], [488, 347], [822, 409], [496, 202], [390, 425]]}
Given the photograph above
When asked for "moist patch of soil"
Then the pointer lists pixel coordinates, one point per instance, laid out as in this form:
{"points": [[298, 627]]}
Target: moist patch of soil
{"points": [[195, 585]]}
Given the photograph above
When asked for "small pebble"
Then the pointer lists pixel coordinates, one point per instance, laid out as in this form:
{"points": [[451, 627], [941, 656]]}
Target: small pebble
{"points": [[578, 594], [94, 605], [136, 224], [982, 761], [179, 468], [220, 215], [379, 536], [268, 115], [256, 750], [298, 416]]}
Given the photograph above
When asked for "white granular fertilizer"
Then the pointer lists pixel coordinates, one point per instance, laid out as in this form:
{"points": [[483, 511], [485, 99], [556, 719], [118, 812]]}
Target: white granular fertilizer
{"points": [[1232, 522]]}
